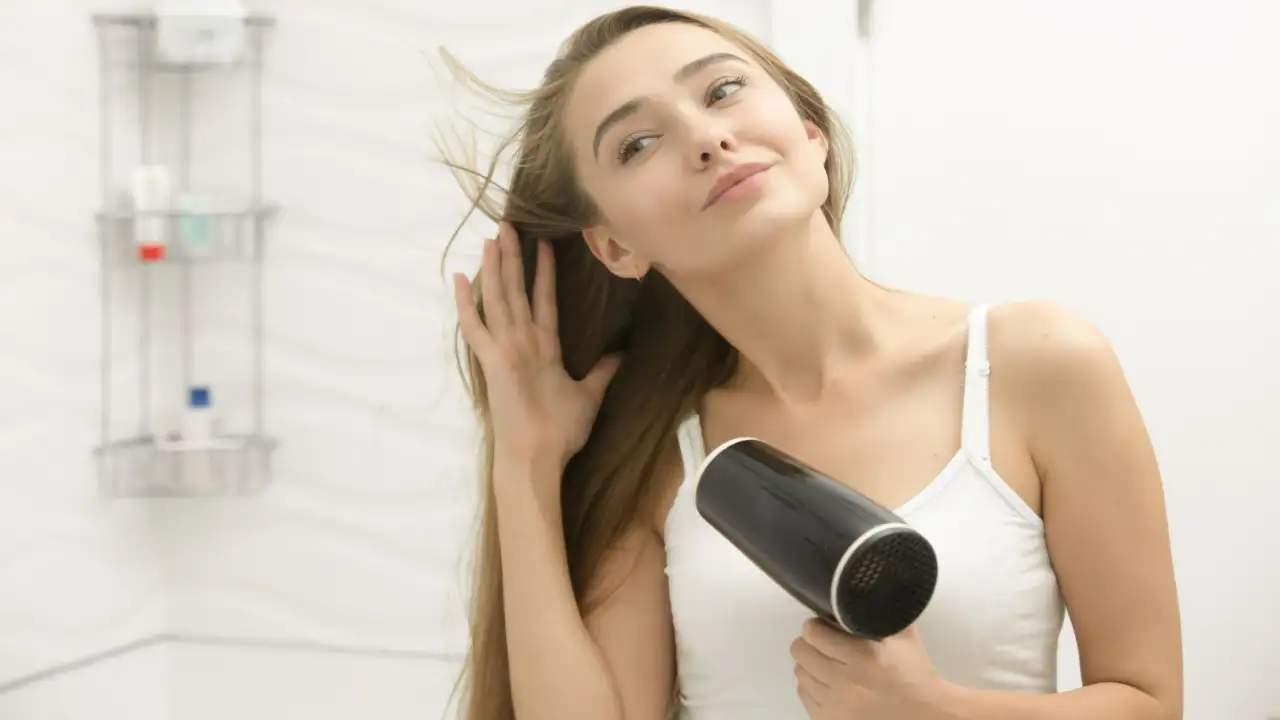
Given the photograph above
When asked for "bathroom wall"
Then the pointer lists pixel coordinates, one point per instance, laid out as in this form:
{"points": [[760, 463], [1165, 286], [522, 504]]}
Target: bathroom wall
{"points": [[1119, 158], [337, 592], [80, 580], [1133, 186]]}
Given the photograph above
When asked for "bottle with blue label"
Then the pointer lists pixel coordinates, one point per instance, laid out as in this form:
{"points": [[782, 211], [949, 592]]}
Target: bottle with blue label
{"points": [[198, 424], [199, 430]]}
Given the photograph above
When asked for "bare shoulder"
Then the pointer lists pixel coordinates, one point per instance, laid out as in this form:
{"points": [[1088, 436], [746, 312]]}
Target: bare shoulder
{"points": [[1041, 339], [1060, 372], [1044, 349]]}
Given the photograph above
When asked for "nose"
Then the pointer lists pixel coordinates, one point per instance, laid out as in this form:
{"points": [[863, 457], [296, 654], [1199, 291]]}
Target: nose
{"points": [[707, 157], [710, 142]]}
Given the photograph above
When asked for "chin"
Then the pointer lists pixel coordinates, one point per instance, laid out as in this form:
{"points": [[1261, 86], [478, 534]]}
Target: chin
{"points": [[782, 212], [760, 231]]}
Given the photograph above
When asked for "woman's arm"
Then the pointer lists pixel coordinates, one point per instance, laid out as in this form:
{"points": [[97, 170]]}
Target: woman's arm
{"points": [[617, 664], [1106, 530], [1105, 522]]}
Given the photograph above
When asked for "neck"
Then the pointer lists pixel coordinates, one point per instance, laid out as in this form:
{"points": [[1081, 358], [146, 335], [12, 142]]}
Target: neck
{"points": [[798, 313]]}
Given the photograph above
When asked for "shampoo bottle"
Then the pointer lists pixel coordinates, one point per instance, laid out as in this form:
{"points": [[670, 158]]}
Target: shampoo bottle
{"points": [[151, 199], [199, 430], [198, 425]]}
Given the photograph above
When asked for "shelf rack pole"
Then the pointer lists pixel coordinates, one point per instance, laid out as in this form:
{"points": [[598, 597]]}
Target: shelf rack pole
{"points": [[143, 66], [255, 119], [106, 240], [185, 276]]}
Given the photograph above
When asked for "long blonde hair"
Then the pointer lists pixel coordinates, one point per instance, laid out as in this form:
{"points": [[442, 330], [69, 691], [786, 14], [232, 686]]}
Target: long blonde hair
{"points": [[672, 356]]}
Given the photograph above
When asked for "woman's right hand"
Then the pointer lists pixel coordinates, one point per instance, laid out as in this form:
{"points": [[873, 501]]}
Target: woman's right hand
{"points": [[536, 409]]}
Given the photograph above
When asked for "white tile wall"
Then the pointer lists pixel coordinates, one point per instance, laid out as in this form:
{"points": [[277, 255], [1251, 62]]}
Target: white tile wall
{"points": [[134, 684], [216, 683]]}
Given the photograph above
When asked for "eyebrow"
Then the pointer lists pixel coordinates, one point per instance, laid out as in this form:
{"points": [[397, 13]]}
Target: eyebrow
{"points": [[630, 107]]}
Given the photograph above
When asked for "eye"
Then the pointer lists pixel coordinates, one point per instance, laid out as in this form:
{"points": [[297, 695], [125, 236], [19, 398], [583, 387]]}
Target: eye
{"points": [[724, 87], [631, 146]]}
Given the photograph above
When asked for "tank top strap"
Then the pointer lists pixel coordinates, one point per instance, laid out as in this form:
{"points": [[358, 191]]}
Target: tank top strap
{"points": [[692, 446], [975, 424]]}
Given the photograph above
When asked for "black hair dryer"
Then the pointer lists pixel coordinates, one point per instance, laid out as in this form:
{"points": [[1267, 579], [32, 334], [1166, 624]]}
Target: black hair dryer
{"points": [[846, 558]]}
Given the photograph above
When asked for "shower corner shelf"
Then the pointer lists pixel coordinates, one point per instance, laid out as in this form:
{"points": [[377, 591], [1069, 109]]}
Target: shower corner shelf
{"points": [[155, 467], [232, 235], [147, 19], [150, 294], [144, 24]]}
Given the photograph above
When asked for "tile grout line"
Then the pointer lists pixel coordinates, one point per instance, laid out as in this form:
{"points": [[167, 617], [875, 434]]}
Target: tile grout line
{"points": [[69, 666]]}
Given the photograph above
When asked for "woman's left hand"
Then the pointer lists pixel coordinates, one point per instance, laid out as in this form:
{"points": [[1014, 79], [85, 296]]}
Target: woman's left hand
{"points": [[841, 676]]}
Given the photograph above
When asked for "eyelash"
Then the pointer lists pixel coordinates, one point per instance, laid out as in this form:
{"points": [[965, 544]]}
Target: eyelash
{"points": [[740, 80], [623, 157]]}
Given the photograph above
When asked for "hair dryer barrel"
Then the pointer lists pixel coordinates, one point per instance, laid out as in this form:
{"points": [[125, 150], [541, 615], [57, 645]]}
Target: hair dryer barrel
{"points": [[846, 558]]}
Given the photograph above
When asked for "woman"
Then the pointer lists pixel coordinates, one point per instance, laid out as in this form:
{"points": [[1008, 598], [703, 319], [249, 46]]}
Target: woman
{"points": [[670, 276]]}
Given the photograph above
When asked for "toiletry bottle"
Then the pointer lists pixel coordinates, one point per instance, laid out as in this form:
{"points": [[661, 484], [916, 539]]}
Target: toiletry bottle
{"points": [[199, 429], [198, 425], [151, 191], [200, 32], [195, 224]]}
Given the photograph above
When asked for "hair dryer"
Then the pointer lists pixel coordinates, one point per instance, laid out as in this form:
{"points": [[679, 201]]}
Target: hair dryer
{"points": [[846, 558]]}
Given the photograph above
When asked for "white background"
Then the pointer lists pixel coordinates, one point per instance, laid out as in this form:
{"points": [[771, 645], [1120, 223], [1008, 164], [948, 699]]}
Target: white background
{"points": [[1117, 157]]}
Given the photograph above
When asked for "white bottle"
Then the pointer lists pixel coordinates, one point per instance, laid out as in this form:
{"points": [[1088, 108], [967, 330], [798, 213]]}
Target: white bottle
{"points": [[151, 192], [199, 432], [199, 424]]}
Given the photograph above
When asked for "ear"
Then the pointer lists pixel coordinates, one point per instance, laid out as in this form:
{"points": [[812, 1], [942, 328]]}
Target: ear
{"points": [[614, 255], [817, 137]]}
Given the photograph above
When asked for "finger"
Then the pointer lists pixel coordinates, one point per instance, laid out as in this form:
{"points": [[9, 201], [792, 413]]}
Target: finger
{"points": [[835, 643], [474, 332], [812, 706], [492, 297], [513, 274], [813, 663], [544, 289], [598, 379], [811, 684]]}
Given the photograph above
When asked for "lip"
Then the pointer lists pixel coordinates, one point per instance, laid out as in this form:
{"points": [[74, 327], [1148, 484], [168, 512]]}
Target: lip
{"points": [[732, 177]]}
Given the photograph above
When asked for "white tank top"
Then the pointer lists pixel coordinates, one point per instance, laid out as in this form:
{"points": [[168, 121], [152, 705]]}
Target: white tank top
{"points": [[993, 623]]}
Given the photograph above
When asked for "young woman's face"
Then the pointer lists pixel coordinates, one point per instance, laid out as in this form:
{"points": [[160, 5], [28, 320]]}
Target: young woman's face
{"points": [[659, 123]]}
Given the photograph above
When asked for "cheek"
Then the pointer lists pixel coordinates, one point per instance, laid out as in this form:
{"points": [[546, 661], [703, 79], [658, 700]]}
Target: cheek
{"points": [[652, 205], [804, 157], [773, 120], [780, 130], [653, 198]]}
